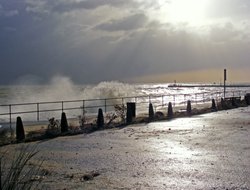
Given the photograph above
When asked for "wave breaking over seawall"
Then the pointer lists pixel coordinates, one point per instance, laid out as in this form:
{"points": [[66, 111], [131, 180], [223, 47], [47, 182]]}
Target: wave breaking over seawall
{"points": [[63, 89]]}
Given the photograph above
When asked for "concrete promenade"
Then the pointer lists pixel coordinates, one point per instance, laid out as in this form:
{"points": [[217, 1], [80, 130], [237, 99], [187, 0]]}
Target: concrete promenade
{"points": [[210, 151]]}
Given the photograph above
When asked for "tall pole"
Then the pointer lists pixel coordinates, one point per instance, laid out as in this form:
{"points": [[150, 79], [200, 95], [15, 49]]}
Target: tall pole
{"points": [[225, 78]]}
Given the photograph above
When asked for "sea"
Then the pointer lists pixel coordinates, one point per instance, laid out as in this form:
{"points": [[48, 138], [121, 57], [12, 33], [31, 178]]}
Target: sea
{"points": [[75, 99]]}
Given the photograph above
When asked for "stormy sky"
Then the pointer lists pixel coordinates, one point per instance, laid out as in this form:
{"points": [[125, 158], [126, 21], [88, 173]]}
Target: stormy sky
{"points": [[126, 40]]}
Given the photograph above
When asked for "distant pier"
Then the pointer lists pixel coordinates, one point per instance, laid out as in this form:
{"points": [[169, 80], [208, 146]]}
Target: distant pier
{"points": [[208, 85]]}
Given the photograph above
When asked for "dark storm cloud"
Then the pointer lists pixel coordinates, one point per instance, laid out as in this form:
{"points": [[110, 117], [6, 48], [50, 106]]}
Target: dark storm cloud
{"points": [[74, 38], [51, 6], [89, 4], [7, 13]]}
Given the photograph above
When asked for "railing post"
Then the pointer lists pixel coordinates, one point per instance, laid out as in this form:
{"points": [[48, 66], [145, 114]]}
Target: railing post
{"points": [[10, 118], [162, 100], [174, 100], [105, 102], [62, 106], [83, 107], [37, 106]]}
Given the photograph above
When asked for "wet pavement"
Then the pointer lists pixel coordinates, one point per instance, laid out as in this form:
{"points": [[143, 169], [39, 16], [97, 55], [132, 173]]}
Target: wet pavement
{"points": [[210, 151]]}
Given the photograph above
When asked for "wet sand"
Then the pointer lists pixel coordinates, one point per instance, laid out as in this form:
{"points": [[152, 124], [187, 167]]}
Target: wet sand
{"points": [[210, 151]]}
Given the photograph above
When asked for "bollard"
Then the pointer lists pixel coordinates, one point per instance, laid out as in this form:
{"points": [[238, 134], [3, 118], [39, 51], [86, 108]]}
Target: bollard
{"points": [[170, 110], [247, 98], [131, 112], [214, 108], [64, 123], [234, 102], [20, 135], [223, 103], [100, 119], [189, 107], [151, 112]]}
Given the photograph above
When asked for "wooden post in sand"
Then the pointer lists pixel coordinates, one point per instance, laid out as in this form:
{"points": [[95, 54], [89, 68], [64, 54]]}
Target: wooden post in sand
{"points": [[64, 123], [151, 112], [100, 119], [189, 107], [247, 98], [131, 112], [170, 111], [20, 135]]}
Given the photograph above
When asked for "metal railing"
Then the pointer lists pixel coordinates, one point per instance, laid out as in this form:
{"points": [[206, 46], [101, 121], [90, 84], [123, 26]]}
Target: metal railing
{"points": [[37, 109]]}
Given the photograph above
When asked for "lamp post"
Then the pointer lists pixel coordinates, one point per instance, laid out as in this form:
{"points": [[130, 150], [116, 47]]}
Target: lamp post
{"points": [[225, 78]]}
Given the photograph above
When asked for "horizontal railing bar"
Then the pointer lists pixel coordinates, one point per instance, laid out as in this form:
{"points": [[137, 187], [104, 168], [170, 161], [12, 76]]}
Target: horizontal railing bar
{"points": [[103, 99], [62, 105]]}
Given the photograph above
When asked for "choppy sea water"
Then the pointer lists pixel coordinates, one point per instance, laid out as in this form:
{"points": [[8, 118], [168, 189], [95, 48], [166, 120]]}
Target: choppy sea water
{"points": [[159, 94]]}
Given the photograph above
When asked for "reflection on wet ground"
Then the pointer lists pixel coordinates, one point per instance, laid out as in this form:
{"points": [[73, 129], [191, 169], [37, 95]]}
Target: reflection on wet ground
{"points": [[209, 151]]}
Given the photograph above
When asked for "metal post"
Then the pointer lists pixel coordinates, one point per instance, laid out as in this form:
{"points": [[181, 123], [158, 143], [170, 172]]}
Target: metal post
{"points": [[105, 105], [225, 78], [83, 108], [37, 106], [174, 99], [162, 101], [10, 118], [62, 106]]}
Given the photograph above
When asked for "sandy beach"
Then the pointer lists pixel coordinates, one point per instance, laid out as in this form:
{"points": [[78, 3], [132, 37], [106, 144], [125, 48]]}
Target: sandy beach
{"points": [[210, 151]]}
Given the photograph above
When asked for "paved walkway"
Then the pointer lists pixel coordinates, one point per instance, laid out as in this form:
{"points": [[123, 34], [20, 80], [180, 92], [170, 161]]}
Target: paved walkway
{"points": [[210, 151]]}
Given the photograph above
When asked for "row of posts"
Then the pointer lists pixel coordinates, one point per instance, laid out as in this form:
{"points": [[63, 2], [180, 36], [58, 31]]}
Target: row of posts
{"points": [[226, 103], [131, 114], [20, 133]]}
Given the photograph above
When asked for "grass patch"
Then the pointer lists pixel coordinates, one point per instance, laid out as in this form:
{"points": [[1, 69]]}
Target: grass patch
{"points": [[20, 173]]}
